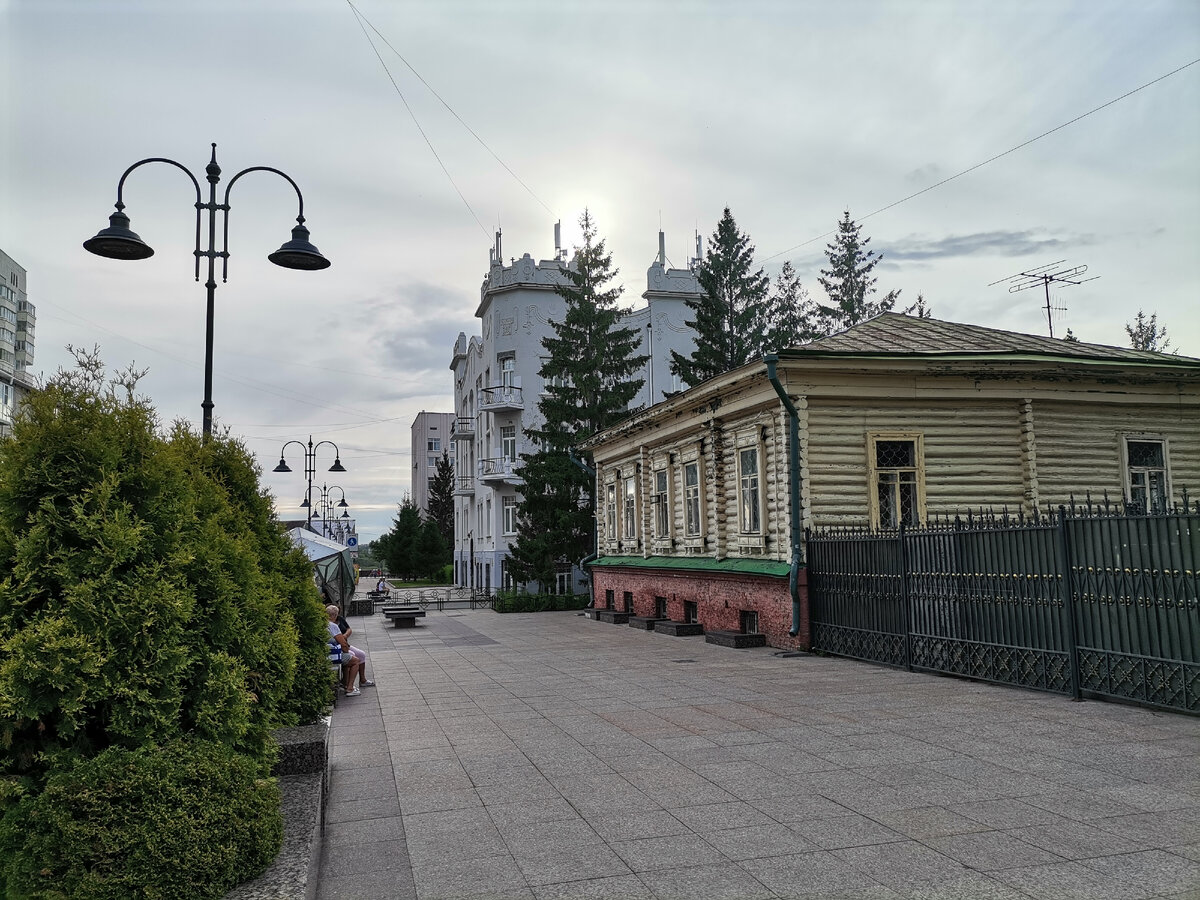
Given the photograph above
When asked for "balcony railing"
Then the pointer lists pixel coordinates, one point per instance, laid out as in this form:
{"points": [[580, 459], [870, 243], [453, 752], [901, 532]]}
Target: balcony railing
{"points": [[464, 485], [462, 427], [500, 397], [500, 469]]}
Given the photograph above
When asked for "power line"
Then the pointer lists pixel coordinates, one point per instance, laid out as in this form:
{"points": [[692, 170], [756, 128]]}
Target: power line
{"points": [[428, 143], [991, 159], [481, 141]]}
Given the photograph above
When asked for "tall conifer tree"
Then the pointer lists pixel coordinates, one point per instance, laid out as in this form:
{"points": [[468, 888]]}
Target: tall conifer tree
{"points": [[730, 313], [848, 281], [791, 315], [441, 498], [590, 380]]}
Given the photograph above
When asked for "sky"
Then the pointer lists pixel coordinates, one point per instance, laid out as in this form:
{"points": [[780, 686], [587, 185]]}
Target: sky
{"points": [[651, 114]]}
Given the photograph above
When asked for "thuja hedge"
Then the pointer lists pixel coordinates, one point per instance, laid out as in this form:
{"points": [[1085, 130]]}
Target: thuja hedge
{"points": [[150, 608]]}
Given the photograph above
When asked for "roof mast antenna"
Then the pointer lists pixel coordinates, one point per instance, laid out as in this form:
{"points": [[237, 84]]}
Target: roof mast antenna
{"points": [[1044, 276]]}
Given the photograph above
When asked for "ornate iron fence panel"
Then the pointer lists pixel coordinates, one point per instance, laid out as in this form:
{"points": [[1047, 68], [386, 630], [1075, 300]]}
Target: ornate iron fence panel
{"points": [[1096, 601], [1136, 587]]}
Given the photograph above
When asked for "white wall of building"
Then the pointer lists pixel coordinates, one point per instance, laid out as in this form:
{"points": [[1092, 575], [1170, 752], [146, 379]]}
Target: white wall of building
{"points": [[497, 388]]}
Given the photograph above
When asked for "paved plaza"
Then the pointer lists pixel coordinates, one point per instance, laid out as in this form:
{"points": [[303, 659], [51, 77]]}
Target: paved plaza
{"points": [[551, 756]]}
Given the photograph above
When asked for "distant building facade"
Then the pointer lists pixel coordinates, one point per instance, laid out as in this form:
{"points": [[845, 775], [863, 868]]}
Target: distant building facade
{"points": [[17, 320], [430, 438], [497, 386]]}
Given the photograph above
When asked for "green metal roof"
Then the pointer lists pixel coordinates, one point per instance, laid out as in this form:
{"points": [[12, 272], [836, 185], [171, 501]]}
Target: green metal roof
{"points": [[698, 564]]}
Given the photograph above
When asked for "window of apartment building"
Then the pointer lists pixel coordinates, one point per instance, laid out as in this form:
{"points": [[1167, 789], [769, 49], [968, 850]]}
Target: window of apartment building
{"points": [[630, 508], [488, 505], [691, 498], [749, 495], [662, 505], [434, 445], [507, 367], [1146, 472], [433, 461], [510, 515], [610, 510], [508, 441], [896, 472]]}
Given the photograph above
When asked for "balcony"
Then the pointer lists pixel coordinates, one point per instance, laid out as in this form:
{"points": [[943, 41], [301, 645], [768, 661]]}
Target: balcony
{"points": [[501, 398], [464, 486], [462, 427], [500, 470]]}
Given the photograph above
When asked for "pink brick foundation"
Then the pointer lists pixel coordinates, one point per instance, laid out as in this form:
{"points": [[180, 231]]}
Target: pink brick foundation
{"points": [[720, 597]]}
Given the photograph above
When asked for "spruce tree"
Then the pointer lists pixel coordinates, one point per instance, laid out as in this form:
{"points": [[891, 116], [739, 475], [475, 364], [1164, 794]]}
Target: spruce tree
{"points": [[790, 314], [848, 281], [441, 498], [730, 313], [590, 376], [401, 541]]}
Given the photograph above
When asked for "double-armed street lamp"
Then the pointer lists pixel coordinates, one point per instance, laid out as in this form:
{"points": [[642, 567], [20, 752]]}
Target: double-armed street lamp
{"points": [[118, 242], [326, 509], [310, 467]]}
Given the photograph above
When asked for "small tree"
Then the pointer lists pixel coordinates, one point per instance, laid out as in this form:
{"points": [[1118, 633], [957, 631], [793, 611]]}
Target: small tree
{"points": [[848, 281], [920, 309], [730, 313], [400, 544], [590, 376], [431, 552], [790, 315], [441, 498], [1146, 334]]}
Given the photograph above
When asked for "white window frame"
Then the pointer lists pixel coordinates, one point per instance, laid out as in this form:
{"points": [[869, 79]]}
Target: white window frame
{"points": [[662, 504], [750, 516], [1128, 473], [693, 521], [508, 442], [629, 508], [510, 514], [917, 470], [610, 510]]}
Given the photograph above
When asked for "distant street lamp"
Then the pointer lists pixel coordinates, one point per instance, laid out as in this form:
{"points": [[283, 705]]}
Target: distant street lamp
{"points": [[118, 242], [310, 468], [326, 509]]}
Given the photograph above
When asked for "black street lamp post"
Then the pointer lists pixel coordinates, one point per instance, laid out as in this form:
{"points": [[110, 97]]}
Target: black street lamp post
{"points": [[328, 509], [310, 469], [118, 242]]}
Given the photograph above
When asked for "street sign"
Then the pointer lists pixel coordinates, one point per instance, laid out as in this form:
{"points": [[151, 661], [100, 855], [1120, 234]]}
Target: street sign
{"points": [[351, 541]]}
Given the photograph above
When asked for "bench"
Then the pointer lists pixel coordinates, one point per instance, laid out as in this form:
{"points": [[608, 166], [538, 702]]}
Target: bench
{"points": [[645, 623], [678, 629], [403, 616], [379, 595], [612, 617], [738, 640]]}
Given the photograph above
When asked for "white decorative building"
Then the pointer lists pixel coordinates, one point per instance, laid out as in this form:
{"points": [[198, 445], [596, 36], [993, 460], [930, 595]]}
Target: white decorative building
{"points": [[430, 438], [497, 387], [17, 320]]}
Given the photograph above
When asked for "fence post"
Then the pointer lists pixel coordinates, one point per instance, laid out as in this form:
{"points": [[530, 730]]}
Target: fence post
{"points": [[1068, 598], [904, 600]]}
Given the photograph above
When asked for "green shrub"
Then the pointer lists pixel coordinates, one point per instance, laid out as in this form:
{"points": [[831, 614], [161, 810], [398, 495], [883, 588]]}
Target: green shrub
{"points": [[189, 820], [512, 602]]}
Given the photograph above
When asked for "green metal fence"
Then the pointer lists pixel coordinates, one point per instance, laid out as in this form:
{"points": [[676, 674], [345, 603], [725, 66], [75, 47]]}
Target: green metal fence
{"points": [[1091, 600]]}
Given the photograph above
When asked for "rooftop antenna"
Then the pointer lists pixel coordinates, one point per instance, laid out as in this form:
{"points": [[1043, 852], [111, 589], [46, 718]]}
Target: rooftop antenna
{"points": [[558, 239], [1044, 276], [662, 248]]}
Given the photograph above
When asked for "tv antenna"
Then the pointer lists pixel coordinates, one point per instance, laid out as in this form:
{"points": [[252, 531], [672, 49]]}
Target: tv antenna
{"points": [[1044, 276]]}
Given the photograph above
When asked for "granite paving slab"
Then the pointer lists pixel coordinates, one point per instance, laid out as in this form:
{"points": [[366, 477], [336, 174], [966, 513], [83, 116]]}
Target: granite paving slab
{"points": [[539, 756]]}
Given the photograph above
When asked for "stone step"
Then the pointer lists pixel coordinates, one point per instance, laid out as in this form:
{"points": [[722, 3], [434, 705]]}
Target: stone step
{"points": [[646, 623], [678, 629], [736, 639], [612, 617]]}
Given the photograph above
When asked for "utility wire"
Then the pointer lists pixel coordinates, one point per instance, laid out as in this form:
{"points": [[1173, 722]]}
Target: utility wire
{"points": [[990, 159], [481, 141], [359, 18]]}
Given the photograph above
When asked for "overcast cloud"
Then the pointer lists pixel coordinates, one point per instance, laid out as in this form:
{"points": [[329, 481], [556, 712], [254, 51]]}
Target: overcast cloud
{"points": [[652, 114]]}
